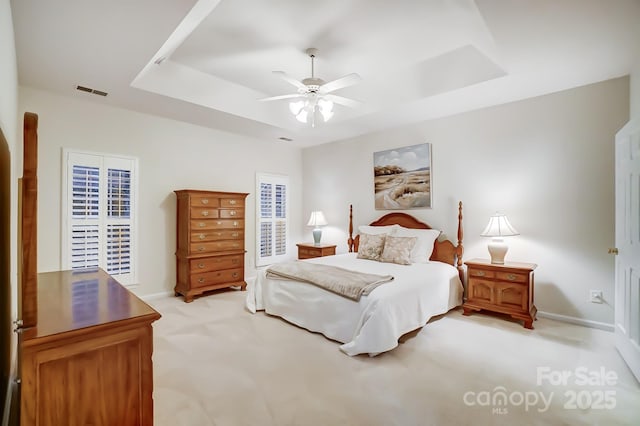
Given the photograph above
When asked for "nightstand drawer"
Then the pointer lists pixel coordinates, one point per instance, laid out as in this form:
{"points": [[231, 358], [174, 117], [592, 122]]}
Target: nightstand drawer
{"points": [[510, 276], [315, 252], [481, 273], [309, 251]]}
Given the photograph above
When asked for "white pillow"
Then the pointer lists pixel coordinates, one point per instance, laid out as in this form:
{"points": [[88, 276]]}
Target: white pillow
{"points": [[424, 245], [377, 230]]}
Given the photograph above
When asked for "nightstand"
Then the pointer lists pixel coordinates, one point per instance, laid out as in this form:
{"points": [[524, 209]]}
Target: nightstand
{"points": [[309, 250], [507, 289]]}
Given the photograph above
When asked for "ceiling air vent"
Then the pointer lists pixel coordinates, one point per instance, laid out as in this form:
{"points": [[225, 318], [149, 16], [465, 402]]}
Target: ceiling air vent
{"points": [[90, 90], [282, 138]]}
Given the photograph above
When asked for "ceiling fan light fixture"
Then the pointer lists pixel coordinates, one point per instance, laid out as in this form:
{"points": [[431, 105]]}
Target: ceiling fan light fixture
{"points": [[302, 116], [326, 109], [296, 107], [312, 110]]}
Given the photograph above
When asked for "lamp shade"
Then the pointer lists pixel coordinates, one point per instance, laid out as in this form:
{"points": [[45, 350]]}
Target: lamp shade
{"points": [[317, 219], [499, 226]]}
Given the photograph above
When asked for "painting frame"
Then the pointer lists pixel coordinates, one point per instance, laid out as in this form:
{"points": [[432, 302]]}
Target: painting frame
{"points": [[403, 178]]}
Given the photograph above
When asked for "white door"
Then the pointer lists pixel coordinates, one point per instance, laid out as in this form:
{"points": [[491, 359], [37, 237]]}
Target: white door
{"points": [[627, 299]]}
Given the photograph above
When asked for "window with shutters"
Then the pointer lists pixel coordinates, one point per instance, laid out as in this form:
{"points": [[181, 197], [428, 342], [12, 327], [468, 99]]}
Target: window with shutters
{"points": [[98, 213], [272, 229]]}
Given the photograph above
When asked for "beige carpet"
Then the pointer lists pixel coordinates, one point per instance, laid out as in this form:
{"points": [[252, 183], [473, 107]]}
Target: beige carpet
{"points": [[217, 364]]}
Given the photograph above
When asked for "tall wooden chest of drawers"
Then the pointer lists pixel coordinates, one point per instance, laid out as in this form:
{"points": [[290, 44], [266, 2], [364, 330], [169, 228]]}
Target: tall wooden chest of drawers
{"points": [[210, 241]]}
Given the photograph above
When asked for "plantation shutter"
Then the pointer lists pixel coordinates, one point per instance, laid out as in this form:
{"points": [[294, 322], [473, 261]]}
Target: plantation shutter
{"points": [[98, 215], [272, 214], [118, 221], [85, 203]]}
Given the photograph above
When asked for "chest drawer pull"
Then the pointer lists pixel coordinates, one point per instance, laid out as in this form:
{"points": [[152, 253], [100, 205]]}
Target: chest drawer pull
{"points": [[201, 265], [479, 274], [235, 223], [205, 201], [200, 280], [201, 224], [233, 213], [235, 275], [235, 234], [232, 202], [219, 223], [205, 213], [202, 236], [201, 248], [511, 277]]}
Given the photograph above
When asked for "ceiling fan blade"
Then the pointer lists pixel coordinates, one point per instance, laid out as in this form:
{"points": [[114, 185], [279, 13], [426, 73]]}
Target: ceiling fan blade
{"points": [[291, 80], [347, 80], [343, 101], [276, 98]]}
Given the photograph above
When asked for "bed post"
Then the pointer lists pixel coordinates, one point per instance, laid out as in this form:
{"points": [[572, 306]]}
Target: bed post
{"points": [[350, 240], [460, 248]]}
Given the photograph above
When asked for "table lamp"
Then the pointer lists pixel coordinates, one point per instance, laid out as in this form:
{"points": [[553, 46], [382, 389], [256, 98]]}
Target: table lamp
{"points": [[317, 220], [498, 228]]}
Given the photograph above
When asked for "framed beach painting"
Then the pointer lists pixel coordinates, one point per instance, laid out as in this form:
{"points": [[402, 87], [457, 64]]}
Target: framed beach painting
{"points": [[402, 178]]}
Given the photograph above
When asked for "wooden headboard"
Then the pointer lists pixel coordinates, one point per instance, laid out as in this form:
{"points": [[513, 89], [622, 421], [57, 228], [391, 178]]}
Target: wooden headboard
{"points": [[443, 251]]}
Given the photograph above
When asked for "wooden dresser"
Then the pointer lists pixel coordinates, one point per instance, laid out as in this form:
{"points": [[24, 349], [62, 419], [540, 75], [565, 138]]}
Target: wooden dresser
{"points": [[88, 359], [507, 288], [210, 241]]}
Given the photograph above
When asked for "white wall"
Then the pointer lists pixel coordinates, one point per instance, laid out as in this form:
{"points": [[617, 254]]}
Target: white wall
{"points": [[8, 75], [547, 162], [172, 155], [635, 90]]}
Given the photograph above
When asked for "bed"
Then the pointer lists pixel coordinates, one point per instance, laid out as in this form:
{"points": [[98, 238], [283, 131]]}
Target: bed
{"points": [[420, 290]]}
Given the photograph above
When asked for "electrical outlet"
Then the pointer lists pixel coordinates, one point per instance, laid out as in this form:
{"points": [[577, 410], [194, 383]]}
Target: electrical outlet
{"points": [[595, 296]]}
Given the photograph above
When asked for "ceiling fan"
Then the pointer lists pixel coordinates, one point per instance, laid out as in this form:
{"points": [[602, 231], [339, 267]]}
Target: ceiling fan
{"points": [[315, 97]]}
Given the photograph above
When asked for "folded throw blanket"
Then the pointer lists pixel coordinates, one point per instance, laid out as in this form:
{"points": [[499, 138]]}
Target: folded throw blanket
{"points": [[347, 283]]}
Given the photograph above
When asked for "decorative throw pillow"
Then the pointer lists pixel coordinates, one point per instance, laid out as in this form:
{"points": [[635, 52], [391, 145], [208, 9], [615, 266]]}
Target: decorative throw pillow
{"points": [[371, 246], [398, 250], [424, 245]]}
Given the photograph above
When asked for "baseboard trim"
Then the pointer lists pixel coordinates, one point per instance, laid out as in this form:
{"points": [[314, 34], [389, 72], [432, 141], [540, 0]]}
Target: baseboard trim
{"points": [[156, 296], [578, 321], [163, 294]]}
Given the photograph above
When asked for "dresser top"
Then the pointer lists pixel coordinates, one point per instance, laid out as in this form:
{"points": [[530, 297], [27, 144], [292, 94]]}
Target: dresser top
{"points": [[211, 193], [507, 265], [70, 301]]}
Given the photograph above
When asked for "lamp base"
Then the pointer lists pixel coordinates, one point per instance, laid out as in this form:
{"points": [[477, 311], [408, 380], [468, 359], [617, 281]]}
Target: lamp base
{"points": [[317, 233], [497, 249]]}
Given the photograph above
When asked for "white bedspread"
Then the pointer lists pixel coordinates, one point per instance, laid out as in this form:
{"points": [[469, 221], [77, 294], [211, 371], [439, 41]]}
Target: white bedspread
{"points": [[374, 323]]}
